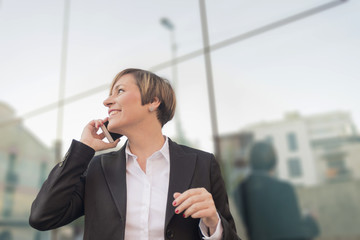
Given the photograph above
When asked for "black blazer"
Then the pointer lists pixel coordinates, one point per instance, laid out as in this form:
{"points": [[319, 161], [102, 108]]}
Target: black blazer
{"points": [[98, 189]]}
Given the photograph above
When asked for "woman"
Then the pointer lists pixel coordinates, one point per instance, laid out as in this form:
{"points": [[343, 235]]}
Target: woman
{"points": [[152, 188]]}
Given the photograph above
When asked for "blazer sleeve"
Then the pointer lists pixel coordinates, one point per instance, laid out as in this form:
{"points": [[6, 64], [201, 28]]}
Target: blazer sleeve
{"points": [[220, 197], [60, 200]]}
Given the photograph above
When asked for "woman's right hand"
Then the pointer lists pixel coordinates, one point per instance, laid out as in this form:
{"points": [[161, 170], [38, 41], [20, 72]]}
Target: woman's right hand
{"points": [[90, 137]]}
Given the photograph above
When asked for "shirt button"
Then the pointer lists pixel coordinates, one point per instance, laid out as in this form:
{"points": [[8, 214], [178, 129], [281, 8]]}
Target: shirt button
{"points": [[170, 234]]}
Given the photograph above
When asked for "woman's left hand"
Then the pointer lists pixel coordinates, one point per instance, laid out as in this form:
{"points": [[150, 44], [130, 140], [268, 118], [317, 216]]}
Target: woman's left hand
{"points": [[197, 203]]}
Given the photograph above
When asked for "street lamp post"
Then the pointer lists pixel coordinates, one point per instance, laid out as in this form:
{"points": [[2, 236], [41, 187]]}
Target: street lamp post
{"points": [[209, 77], [60, 107], [170, 26]]}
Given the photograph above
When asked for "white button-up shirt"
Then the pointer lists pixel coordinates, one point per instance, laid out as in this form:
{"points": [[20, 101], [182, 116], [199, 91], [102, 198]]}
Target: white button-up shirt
{"points": [[147, 197]]}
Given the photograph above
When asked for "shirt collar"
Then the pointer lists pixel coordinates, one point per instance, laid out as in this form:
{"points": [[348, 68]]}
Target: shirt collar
{"points": [[164, 151]]}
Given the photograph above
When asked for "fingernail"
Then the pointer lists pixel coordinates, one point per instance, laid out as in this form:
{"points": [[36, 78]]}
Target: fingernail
{"points": [[184, 216], [176, 211], [174, 203]]}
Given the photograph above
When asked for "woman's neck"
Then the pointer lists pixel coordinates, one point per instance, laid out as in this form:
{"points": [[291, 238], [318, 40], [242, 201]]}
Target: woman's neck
{"points": [[145, 142]]}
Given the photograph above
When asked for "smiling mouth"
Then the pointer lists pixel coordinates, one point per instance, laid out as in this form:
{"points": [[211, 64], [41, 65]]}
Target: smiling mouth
{"points": [[114, 112]]}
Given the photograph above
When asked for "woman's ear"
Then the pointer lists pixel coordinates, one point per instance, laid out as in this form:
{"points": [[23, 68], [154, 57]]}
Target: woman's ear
{"points": [[154, 104]]}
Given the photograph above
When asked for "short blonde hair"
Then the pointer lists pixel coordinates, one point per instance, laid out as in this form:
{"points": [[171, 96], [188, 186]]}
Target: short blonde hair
{"points": [[152, 86]]}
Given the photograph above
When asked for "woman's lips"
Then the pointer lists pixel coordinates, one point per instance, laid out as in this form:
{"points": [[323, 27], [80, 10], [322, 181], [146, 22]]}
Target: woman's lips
{"points": [[113, 112]]}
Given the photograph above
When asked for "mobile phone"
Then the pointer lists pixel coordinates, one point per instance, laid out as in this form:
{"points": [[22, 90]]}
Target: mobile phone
{"points": [[111, 137]]}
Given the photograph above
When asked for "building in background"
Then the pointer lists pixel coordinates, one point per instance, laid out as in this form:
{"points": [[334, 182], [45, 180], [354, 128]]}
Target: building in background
{"points": [[311, 149], [24, 165], [337, 159]]}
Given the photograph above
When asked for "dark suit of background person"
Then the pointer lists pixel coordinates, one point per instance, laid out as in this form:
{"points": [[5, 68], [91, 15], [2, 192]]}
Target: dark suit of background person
{"points": [[268, 206], [100, 193]]}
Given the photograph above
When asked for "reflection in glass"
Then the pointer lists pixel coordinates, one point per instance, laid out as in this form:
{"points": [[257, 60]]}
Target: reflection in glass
{"points": [[24, 161], [323, 172]]}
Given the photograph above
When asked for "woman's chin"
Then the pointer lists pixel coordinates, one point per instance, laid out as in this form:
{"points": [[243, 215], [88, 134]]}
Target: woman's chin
{"points": [[112, 128], [109, 127]]}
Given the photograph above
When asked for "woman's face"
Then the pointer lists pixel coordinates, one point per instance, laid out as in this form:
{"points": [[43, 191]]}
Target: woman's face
{"points": [[124, 103]]}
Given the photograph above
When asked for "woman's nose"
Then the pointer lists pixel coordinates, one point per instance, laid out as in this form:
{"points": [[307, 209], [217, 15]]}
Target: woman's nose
{"points": [[108, 101]]}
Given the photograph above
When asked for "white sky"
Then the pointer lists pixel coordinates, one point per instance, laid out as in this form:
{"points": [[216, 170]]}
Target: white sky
{"points": [[310, 66]]}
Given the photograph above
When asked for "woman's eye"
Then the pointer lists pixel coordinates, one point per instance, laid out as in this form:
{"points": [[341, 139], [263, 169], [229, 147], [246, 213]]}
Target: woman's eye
{"points": [[120, 91]]}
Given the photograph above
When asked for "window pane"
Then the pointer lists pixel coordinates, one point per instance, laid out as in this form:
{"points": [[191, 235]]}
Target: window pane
{"points": [[294, 165], [292, 141]]}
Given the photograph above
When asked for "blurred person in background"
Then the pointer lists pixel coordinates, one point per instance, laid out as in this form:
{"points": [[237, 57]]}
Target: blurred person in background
{"points": [[6, 235], [152, 188], [268, 206]]}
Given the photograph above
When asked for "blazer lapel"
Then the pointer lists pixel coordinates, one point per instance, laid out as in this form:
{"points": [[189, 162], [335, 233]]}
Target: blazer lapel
{"points": [[114, 168], [182, 166]]}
